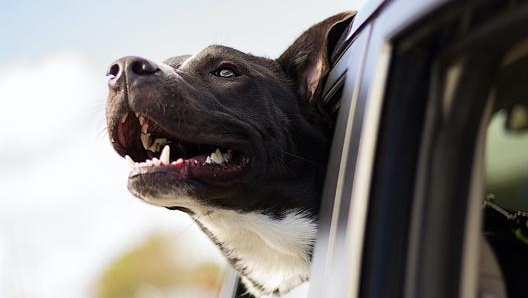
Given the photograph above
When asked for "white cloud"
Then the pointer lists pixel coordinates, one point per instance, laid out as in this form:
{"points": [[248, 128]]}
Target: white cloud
{"points": [[44, 98], [47, 126], [46, 103], [65, 211]]}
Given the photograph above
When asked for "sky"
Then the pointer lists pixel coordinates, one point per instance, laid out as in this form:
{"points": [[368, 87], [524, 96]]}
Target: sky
{"points": [[65, 211]]}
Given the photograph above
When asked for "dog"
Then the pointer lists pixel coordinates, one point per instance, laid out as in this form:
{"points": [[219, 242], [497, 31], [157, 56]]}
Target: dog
{"points": [[238, 142]]}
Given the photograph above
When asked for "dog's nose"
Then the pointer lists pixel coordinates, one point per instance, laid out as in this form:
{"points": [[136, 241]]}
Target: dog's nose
{"points": [[130, 67]]}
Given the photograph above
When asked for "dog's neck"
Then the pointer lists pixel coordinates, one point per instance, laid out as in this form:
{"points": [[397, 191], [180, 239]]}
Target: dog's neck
{"points": [[272, 253]]}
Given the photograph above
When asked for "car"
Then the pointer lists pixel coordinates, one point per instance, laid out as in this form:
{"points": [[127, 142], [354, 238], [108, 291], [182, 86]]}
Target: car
{"points": [[426, 189]]}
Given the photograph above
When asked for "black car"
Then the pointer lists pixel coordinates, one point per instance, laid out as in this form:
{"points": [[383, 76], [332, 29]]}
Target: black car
{"points": [[427, 183]]}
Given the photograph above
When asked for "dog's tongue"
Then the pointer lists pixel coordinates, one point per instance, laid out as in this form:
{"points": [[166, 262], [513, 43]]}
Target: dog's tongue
{"points": [[213, 172], [197, 168]]}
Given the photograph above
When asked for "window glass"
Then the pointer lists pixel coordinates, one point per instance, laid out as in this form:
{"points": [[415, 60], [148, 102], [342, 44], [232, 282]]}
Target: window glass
{"points": [[507, 136], [507, 158], [506, 162]]}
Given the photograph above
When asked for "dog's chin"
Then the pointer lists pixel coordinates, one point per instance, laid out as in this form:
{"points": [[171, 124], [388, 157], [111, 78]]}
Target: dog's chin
{"points": [[174, 185]]}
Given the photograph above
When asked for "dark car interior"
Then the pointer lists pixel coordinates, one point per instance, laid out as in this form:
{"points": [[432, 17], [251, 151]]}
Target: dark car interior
{"points": [[506, 171]]}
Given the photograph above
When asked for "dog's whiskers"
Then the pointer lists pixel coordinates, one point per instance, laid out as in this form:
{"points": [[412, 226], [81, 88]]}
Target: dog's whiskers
{"points": [[102, 131], [162, 107], [288, 169], [296, 156], [184, 230]]}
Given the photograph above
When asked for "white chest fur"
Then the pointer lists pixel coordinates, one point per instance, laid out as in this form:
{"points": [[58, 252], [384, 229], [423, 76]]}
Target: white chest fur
{"points": [[273, 254]]}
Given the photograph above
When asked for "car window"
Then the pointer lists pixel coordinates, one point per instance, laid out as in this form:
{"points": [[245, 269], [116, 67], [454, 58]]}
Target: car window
{"points": [[507, 138], [506, 174], [507, 158]]}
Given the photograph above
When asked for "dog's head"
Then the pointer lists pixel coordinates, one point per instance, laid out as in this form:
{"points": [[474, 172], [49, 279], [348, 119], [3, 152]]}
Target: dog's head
{"points": [[244, 132]]}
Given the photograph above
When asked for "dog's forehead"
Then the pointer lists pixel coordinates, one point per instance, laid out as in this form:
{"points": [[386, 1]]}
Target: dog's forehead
{"points": [[215, 54], [176, 61]]}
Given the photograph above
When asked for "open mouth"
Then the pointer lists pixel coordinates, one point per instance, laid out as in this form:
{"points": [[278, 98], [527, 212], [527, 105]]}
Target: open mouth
{"points": [[150, 149]]}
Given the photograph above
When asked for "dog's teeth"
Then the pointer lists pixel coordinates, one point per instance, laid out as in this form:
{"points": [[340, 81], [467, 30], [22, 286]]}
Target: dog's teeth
{"points": [[156, 162], [217, 157], [152, 147], [208, 160], [220, 155], [137, 115], [156, 145], [145, 140], [213, 158], [149, 162], [124, 118], [131, 162], [227, 156], [144, 127], [162, 141], [165, 155]]}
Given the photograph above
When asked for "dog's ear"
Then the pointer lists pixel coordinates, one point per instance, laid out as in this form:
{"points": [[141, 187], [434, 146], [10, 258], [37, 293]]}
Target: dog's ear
{"points": [[307, 59]]}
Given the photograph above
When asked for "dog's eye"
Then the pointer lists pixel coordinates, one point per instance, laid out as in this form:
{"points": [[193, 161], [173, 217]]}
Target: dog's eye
{"points": [[225, 73]]}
